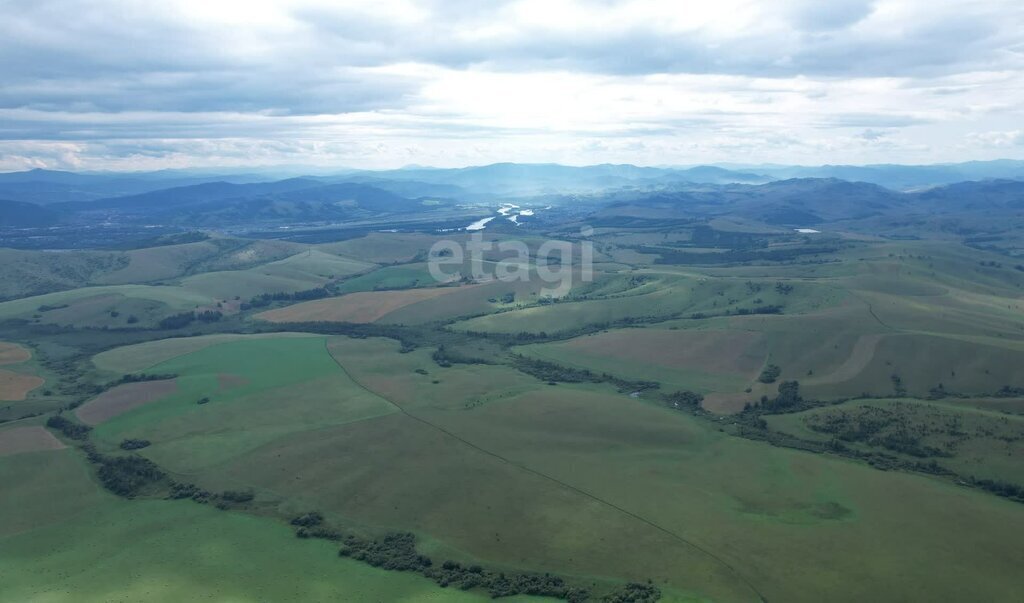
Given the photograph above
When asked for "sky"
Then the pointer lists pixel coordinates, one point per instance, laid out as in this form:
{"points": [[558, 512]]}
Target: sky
{"points": [[117, 85]]}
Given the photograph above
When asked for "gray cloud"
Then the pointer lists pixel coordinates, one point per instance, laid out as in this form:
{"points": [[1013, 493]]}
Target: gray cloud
{"points": [[110, 56], [103, 77]]}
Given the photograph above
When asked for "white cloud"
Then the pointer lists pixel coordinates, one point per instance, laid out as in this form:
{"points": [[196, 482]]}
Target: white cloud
{"points": [[103, 83]]}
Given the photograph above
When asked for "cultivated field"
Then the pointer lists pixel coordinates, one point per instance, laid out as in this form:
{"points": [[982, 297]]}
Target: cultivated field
{"points": [[17, 440], [14, 383], [360, 307], [124, 398], [12, 353], [631, 430], [15, 387]]}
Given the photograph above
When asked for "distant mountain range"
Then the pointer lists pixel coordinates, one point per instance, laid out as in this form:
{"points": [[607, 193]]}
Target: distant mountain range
{"points": [[492, 181], [532, 179], [49, 186], [225, 203], [900, 177], [41, 197], [801, 202]]}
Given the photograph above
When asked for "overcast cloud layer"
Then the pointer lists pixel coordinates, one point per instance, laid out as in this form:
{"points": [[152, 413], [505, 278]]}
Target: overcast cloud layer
{"points": [[106, 84]]}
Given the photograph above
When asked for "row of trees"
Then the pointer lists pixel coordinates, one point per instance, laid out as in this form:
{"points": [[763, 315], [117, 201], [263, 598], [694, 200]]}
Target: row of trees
{"points": [[184, 319], [554, 373], [70, 429], [126, 476], [227, 499], [265, 299], [397, 551]]}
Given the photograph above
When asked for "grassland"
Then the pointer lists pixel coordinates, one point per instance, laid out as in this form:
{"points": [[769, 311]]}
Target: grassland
{"points": [[92, 306], [410, 306], [27, 273], [488, 465], [274, 387], [135, 358], [405, 276], [217, 254], [100, 290], [124, 398], [79, 543], [581, 437], [306, 270], [969, 440], [663, 296], [361, 307], [382, 248], [846, 329], [491, 466], [702, 360]]}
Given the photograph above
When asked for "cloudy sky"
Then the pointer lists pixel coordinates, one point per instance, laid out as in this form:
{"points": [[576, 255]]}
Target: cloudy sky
{"points": [[109, 84]]}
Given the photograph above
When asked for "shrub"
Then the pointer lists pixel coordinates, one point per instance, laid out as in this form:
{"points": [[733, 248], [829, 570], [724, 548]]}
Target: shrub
{"points": [[237, 496], [770, 374], [70, 429], [133, 444]]}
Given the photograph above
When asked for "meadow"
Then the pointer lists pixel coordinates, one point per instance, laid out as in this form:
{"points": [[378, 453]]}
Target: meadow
{"points": [[93, 546], [514, 480], [520, 434]]}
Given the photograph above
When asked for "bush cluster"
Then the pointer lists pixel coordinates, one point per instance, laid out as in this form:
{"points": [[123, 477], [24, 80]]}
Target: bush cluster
{"points": [[70, 429]]}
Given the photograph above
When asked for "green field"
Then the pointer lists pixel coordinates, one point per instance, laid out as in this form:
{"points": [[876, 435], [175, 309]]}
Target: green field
{"points": [[83, 544], [135, 358], [969, 439], [390, 277], [89, 305], [514, 480], [258, 390], [662, 296], [529, 435], [306, 270]]}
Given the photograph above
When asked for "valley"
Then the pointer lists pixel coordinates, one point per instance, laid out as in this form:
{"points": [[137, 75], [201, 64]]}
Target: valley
{"points": [[731, 394]]}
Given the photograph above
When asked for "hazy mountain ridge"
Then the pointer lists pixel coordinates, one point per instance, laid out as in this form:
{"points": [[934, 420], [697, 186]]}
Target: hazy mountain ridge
{"points": [[605, 190], [21, 214], [43, 187], [904, 177], [809, 201]]}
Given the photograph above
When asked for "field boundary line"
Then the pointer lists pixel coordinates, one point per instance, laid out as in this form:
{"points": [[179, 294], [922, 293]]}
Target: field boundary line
{"points": [[871, 310], [555, 480]]}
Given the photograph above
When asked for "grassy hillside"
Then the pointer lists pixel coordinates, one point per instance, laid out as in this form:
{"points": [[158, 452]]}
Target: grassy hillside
{"points": [[636, 429], [491, 466], [82, 544]]}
